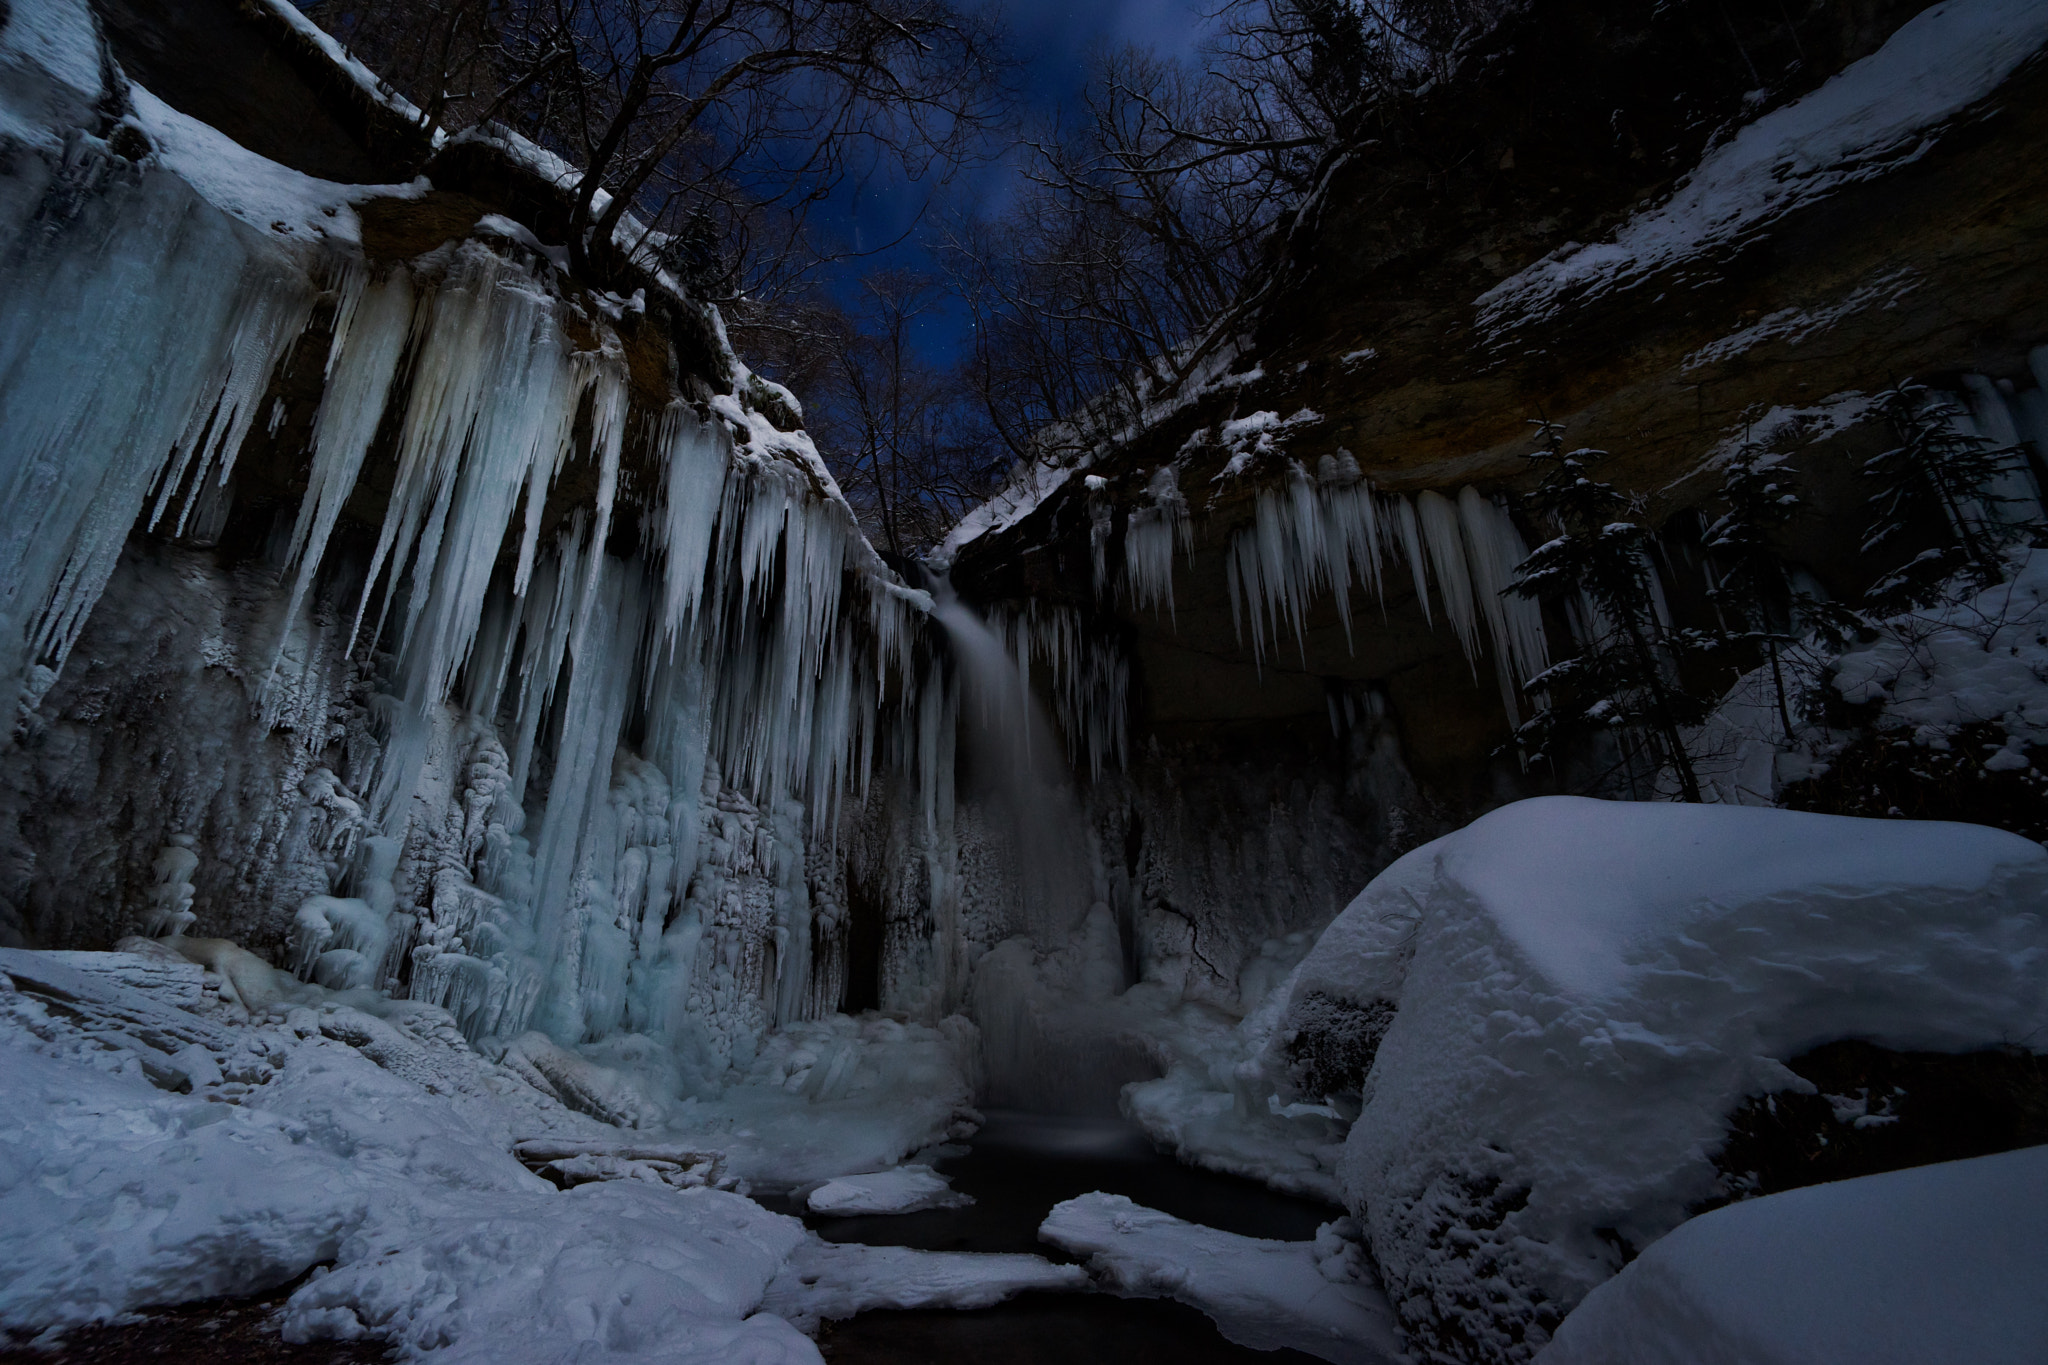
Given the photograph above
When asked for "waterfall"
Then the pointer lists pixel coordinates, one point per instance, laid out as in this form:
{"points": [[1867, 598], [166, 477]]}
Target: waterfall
{"points": [[1039, 995], [1016, 773]]}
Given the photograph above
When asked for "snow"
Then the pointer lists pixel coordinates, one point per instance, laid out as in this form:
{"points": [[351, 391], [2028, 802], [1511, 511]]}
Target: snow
{"points": [[901, 1189], [641, 1274], [158, 1152], [1872, 117], [1575, 994], [1780, 427], [274, 199], [835, 1280], [1029, 485], [49, 71], [1578, 885], [1979, 659], [1936, 1265], [1313, 1296], [1794, 325], [347, 65]]}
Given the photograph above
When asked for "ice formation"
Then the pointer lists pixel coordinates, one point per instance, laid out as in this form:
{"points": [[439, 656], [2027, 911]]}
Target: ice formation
{"points": [[828, 1281], [1636, 970], [900, 1189], [1155, 530], [584, 790], [168, 1148], [1319, 535]]}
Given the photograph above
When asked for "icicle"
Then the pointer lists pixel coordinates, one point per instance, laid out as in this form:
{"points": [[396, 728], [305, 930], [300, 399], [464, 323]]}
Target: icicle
{"points": [[264, 334], [152, 313], [593, 715], [1411, 545], [371, 323], [1438, 520], [697, 456], [1150, 537], [1514, 624], [1312, 537]]}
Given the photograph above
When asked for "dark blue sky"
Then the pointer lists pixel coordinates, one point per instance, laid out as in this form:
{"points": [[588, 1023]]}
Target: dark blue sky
{"points": [[1052, 41]]}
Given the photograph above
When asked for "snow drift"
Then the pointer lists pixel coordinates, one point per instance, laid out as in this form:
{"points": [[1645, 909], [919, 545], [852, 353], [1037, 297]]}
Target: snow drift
{"points": [[1938, 1265], [1557, 1007]]}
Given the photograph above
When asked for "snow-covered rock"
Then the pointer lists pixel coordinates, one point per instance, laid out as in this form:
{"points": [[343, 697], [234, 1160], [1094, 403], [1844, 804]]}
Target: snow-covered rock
{"points": [[1938, 1265], [900, 1189], [1311, 1296], [1562, 1003]]}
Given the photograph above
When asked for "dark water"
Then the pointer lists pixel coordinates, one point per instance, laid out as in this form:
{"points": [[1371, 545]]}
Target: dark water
{"points": [[1017, 1168]]}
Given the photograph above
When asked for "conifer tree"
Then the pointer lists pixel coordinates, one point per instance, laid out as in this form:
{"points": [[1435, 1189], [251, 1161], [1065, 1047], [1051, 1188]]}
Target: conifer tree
{"points": [[1625, 677], [1759, 495], [1941, 473]]}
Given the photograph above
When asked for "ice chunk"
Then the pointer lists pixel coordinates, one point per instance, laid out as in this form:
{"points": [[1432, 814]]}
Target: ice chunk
{"points": [[1261, 1293], [834, 1280], [901, 1189]]}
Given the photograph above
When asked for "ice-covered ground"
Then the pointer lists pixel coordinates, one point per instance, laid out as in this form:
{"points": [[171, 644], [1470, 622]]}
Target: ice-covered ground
{"points": [[1317, 1296], [161, 1144], [1562, 1003], [1937, 1265]]}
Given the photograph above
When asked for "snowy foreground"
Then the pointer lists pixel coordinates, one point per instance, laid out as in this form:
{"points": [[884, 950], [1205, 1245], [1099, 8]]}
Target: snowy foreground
{"points": [[163, 1144], [1572, 996], [1550, 1014]]}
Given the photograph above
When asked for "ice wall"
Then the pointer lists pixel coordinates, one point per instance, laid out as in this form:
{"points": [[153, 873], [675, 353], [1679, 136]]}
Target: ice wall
{"points": [[540, 702]]}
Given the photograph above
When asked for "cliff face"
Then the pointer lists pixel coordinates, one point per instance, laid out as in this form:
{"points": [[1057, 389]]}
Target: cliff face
{"points": [[382, 596], [1664, 232]]}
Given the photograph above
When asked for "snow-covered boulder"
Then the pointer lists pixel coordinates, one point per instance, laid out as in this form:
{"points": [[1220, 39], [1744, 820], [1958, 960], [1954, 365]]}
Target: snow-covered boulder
{"points": [[1938, 1265], [1561, 1004]]}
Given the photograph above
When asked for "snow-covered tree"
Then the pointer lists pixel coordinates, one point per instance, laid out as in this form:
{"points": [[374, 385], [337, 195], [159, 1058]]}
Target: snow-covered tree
{"points": [[1625, 679], [1941, 474], [1752, 586]]}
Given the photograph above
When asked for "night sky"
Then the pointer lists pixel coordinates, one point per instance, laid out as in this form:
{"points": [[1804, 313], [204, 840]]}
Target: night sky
{"points": [[1052, 41]]}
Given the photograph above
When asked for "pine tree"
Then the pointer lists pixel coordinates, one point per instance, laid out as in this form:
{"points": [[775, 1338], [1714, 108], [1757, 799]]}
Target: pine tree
{"points": [[1625, 677], [1759, 495], [1941, 473]]}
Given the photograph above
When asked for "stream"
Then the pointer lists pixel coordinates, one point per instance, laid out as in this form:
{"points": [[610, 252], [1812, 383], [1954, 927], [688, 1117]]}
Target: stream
{"points": [[1017, 1167]]}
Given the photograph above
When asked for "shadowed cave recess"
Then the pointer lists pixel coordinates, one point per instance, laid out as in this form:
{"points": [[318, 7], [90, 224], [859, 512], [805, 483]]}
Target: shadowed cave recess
{"points": [[495, 864]]}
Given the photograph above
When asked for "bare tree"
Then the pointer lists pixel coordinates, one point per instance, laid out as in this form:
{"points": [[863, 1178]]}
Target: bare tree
{"points": [[699, 114], [900, 431], [1136, 248]]}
